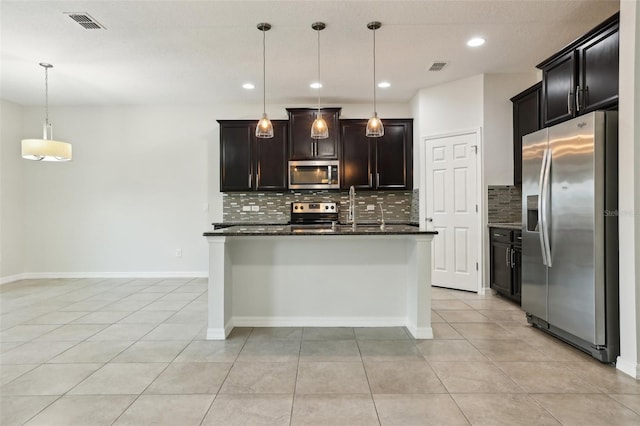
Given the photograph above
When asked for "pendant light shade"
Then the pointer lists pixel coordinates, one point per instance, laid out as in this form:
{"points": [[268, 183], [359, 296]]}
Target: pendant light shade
{"points": [[375, 129], [264, 129], [319, 128], [46, 149]]}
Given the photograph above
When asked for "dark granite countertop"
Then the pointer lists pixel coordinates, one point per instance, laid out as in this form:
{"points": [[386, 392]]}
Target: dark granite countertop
{"points": [[505, 225], [276, 230], [222, 225]]}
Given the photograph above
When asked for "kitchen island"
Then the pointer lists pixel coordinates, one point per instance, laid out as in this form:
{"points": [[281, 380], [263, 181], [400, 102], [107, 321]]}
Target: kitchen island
{"points": [[282, 275]]}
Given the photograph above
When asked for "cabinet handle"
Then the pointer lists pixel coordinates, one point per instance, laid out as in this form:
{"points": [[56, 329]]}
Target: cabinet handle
{"points": [[569, 108], [498, 235], [513, 260], [250, 180], [578, 98], [378, 180], [370, 179], [507, 257]]}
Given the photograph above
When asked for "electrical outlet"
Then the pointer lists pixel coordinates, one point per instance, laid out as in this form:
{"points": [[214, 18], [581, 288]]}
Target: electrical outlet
{"points": [[370, 207], [179, 252], [255, 208], [246, 208]]}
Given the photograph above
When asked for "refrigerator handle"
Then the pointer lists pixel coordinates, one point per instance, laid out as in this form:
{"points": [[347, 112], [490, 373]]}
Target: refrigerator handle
{"points": [[541, 217], [545, 208]]}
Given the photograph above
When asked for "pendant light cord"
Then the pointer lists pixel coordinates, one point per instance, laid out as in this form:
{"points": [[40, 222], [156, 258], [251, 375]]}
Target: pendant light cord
{"points": [[46, 96], [375, 108], [318, 31], [264, 72]]}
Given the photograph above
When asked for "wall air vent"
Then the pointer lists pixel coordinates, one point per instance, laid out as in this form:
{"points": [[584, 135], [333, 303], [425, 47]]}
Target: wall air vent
{"points": [[85, 20], [437, 66]]}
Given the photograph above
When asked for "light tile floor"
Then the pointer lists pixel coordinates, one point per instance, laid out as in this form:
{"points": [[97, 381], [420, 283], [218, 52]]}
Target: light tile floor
{"points": [[132, 352]]}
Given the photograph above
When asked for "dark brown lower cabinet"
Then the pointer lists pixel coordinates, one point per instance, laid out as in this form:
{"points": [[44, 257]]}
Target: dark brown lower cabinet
{"points": [[506, 255]]}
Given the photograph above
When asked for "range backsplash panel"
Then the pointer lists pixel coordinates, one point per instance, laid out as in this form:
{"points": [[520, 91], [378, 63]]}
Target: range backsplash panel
{"points": [[275, 207]]}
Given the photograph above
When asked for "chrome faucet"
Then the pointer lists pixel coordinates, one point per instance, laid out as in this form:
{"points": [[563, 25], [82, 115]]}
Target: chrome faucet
{"points": [[382, 226], [352, 207]]}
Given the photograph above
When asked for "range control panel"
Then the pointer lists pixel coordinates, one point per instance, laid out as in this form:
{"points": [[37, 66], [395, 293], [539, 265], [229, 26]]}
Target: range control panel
{"points": [[301, 207]]}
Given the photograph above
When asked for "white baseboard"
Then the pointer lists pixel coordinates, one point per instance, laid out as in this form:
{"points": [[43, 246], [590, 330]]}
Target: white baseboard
{"points": [[53, 275], [318, 322], [627, 367], [12, 278]]}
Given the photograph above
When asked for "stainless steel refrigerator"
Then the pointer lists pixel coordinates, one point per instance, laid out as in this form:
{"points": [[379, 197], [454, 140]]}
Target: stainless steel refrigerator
{"points": [[570, 232]]}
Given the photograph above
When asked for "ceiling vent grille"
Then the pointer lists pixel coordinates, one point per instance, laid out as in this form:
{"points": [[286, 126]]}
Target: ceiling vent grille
{"points": [[437, 66], [85, 20]]}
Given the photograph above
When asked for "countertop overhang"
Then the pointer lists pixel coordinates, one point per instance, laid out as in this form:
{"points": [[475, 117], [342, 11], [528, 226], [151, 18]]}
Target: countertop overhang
{"points": [[297, 230]]}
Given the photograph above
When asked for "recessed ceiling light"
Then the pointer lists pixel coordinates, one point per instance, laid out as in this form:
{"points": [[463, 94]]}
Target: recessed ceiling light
{"points": [[475, 42], [384, 84], [315, 85], [248, 86]]}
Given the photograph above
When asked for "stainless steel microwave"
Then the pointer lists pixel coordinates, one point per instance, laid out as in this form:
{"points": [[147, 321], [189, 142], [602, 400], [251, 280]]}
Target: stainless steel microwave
{"points": [[314, 174]]}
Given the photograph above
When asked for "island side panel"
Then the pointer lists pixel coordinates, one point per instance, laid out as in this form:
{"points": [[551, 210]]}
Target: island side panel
{"points": [[419, 287], [219, 289], [320, 281]]}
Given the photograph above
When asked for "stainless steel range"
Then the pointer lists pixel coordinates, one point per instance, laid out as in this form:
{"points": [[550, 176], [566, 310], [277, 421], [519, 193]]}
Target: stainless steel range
{"points": [[314, 214]]}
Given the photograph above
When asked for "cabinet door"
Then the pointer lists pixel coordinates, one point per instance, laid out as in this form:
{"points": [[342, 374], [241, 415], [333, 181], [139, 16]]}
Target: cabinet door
{"points": [[526, 119], [271, 159], [236, 140], [394, 155], [500, 259], [357, 155], [301, 145], [558, 89], [599, 71]]}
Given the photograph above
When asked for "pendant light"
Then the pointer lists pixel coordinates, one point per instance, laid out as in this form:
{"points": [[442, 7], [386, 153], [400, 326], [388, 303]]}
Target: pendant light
{"points": [[319, 129], [264, 129], [375, 129], [46, 149]]}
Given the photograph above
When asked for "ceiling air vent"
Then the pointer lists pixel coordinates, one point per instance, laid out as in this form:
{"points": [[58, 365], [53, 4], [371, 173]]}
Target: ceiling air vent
{"points": [[85, 20], [437, 66]]}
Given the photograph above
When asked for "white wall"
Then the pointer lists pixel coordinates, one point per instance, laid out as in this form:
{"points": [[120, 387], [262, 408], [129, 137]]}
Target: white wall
{"points": [[629, 188], [133, 194], [12, 192], [498, 124]]}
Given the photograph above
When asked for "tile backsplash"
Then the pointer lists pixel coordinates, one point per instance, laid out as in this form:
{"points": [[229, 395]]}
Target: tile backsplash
{"points": [[504, 204], [275, 207]]}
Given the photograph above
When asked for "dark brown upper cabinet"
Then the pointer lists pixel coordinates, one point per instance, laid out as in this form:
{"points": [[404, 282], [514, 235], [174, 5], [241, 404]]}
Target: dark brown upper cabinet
{"points": [[377, 163], [301, 145], [583, 76], [251, 164], [527, 107]]}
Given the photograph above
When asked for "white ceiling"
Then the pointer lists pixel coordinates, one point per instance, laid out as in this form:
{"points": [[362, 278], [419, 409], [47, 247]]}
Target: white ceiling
{"points": [[201, 52]]}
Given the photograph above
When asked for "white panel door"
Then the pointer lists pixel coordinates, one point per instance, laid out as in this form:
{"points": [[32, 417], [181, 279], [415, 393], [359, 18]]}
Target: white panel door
{"points": [[451, 209]]}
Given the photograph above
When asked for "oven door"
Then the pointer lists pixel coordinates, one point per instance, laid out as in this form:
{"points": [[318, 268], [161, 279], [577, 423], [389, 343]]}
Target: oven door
{"points": [[314, 175]]}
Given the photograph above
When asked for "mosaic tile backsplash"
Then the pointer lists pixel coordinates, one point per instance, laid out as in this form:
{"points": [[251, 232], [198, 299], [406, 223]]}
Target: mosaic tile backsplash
{"points": [[504, 204], [275, 207]]}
